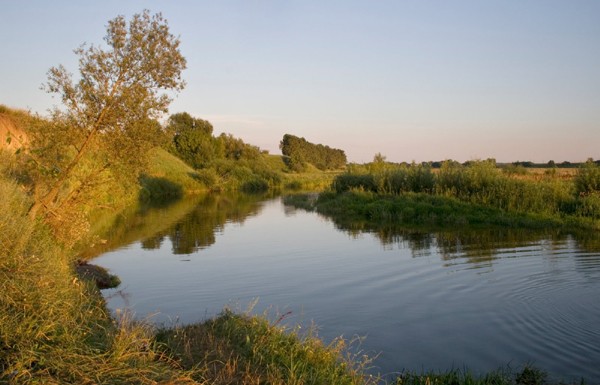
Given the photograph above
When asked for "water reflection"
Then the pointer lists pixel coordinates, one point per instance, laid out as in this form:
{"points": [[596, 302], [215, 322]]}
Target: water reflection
{"points": [[196, 230], [474, 245], [190, 223]]}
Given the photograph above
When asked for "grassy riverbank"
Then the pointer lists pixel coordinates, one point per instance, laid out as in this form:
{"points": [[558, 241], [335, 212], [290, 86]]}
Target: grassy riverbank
{"points": [[55, 329], [478, 194]]}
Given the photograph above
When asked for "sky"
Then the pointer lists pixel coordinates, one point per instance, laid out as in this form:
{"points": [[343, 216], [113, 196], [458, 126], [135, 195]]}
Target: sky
{"points": [[413, 80]]}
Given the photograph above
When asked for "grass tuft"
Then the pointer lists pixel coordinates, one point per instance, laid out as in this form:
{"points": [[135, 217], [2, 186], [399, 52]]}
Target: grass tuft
{"points": [[240, 349]]}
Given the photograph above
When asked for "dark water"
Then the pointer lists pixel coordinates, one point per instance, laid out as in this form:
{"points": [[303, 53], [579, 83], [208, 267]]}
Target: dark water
{"points": [[423, 300]]}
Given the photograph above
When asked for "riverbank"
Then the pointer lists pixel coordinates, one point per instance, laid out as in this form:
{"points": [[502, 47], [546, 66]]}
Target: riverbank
{"points": [[429, 211], [54, 325], [478, 194]]}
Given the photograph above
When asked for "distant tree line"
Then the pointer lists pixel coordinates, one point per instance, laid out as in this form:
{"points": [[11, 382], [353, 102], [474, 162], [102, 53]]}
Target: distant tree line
{"points": [[553, 164], [300, 153], [525, 164]]}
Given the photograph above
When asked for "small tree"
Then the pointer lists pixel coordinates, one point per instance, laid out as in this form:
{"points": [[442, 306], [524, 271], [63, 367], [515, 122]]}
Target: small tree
{"points": [[105, 126]]}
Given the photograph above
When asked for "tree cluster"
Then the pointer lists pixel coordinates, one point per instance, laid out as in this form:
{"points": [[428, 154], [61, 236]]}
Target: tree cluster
{"points": [[300, 152], [193, 141]]}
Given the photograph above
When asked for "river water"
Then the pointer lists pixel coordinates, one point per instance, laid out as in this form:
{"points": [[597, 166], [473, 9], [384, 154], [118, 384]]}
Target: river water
{"points": [[419, 300]]}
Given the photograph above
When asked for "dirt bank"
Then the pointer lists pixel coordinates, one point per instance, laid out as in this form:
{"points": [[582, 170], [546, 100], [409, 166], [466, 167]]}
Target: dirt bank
{"points": [[11, 136]]}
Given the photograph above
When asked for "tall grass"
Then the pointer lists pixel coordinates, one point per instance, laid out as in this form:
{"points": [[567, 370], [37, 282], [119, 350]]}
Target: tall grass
{"points": [[587, 179], [528, 375], [241, 349], [482, 183], [53, 327]]}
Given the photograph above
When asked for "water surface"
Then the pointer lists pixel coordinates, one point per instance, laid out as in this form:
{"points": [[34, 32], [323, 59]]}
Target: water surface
{"points": [[422, 300]]}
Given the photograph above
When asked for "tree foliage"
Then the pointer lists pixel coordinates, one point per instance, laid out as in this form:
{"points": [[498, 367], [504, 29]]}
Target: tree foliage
{"points": [[300, 152], [193, 140], [237, 149], [107, 122], [194, 143]]}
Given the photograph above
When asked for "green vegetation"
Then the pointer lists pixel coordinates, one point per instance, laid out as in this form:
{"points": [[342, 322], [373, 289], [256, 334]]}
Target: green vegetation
{"points": [[476, 194], [91, 158], [251, 350], [168, 176], [300, 153], [225, 163], [106, 126], [526, 376], [54, 327]]}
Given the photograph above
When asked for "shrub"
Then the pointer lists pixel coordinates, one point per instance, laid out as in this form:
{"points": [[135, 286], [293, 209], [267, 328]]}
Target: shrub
{"points": [[347, 181], [255, 185], [587, 179]]}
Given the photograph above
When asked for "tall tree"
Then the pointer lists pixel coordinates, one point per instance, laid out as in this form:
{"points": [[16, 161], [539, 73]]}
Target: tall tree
{"points": [[106, 119]]}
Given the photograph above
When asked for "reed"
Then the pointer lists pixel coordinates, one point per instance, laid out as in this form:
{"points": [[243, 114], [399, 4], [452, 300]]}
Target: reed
{"points": [[528, 375], [482, 185]]}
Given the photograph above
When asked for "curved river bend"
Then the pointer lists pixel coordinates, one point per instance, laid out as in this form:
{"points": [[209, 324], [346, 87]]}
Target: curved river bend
{"points": [[432, 301]]}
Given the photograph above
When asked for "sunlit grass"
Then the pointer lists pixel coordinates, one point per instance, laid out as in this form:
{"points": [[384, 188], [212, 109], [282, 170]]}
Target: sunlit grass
{"points": [[54, 328], [480, 186], [242, 349], [165, 166]]}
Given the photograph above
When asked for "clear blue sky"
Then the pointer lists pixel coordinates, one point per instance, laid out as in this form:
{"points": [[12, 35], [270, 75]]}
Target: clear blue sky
{"points": [[414, 80]]}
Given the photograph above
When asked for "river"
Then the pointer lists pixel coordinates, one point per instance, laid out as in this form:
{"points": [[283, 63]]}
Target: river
{"points": [[418, 300]]}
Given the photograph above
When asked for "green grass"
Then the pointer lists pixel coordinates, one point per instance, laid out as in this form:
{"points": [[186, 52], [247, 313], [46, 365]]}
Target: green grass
{"points": [[476, 194], [423, 210], [528, 375], [168, 175], [241, 349], [55, 328]]}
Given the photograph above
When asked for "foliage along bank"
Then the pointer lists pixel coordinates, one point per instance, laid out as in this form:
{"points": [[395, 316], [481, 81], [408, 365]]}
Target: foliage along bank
{"points": [[458, 195]]}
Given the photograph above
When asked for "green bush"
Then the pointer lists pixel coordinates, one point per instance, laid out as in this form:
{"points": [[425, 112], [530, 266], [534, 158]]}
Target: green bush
{"points": [[587, 179], [347, 181], [255, 185]]}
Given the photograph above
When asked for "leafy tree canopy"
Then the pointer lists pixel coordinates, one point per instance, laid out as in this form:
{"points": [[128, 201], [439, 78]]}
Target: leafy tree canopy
{"points": [[300, 151], [106, 123], [193, 140]]}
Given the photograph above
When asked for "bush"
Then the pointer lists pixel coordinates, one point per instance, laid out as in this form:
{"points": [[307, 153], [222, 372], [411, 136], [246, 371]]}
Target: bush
{"points": [[255, 185], [589, 206], [587, 179], [346, 182]]}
